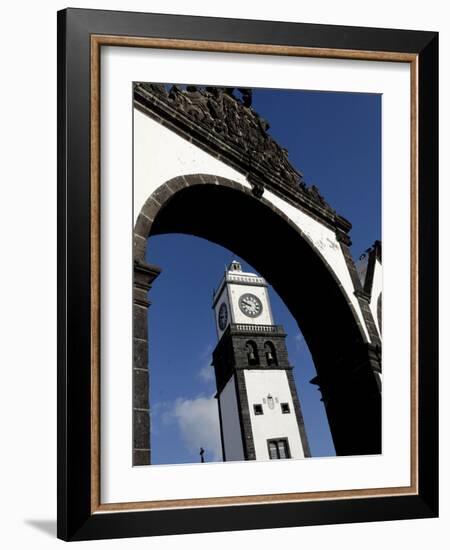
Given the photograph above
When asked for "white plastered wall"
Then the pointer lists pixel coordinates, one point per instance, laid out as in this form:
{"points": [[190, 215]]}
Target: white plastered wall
{"points": [[160, 155], [236, 291], [272, 424], [377, 286]]}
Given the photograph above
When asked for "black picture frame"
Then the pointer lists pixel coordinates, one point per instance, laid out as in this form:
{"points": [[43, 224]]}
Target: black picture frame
{"points": [[76, 475]]}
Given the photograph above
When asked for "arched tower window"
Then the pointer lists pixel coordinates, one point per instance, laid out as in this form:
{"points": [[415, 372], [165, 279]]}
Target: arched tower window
{"points": [[271, 354], [252, 353]]}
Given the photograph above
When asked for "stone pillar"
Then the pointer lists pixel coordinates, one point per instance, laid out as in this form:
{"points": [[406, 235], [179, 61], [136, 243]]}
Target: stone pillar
{"points": [[351, 392], [248, 443], [144, 275]]}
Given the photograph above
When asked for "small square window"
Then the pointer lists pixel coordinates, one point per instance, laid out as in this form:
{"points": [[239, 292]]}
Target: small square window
{"points": [[285, 409], [257, 409]]}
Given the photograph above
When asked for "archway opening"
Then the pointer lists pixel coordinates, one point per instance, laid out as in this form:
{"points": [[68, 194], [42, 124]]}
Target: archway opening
{"points": [[280, 253], [182, 337]]}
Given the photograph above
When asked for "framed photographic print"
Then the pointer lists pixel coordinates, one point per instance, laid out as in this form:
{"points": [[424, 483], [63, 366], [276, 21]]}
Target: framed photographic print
{"points": [[247, 274]]}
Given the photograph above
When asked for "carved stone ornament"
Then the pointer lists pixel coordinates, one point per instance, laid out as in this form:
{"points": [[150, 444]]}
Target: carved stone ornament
{"points": [[225, 118]]}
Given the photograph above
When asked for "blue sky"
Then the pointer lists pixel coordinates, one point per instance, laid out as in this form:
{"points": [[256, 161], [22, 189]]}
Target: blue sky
{"points": [[334, 139]]}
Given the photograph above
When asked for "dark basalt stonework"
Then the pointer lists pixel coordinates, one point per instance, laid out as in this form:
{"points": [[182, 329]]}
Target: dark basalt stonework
{"points": [[144, 275], [230, 353], [373, 253], [227, 126]]}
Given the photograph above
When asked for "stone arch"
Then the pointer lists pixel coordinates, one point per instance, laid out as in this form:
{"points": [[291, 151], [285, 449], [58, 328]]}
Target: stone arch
{"points": [[270, 353], [252, 352], [343, 357], [157, 200]]}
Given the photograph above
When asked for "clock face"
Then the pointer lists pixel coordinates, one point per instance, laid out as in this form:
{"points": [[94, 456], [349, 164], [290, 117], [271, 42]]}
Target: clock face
{"points": [[223, 316], [250, 305]]}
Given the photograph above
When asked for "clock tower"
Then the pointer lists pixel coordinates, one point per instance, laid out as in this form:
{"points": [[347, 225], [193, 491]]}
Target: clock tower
{"points": [[259, 410]]}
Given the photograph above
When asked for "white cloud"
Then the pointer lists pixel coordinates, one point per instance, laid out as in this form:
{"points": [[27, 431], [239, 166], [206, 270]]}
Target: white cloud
{"points": [[198, 422], [206, 373], [299, 341], [207, 351]]}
